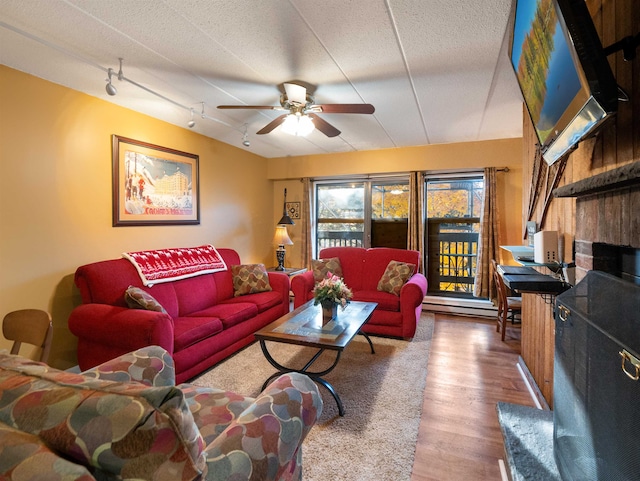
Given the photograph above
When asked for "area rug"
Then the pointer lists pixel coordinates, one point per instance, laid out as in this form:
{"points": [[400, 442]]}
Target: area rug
{"points": [[382, 395]]}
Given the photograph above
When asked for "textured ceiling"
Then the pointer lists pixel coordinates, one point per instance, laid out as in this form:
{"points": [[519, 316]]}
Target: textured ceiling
{"points": [[435, 70]]}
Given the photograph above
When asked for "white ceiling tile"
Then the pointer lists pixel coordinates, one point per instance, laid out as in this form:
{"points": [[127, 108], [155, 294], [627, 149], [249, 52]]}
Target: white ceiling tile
{"points": [[431, 68]]}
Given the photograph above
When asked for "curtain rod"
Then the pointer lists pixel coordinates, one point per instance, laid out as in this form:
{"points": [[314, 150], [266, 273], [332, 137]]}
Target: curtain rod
{"points": [[388, 176]]}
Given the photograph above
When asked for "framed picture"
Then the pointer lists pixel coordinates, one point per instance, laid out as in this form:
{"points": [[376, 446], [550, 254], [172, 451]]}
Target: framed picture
{"points": [[153, 185], [293, 209]]}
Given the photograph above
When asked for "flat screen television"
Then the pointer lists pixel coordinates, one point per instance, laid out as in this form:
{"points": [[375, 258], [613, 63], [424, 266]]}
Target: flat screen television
{"points": [[566, 81]]}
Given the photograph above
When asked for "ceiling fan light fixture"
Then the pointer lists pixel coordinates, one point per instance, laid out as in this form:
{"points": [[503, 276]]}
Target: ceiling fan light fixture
{"points": [[305, 125], [297, 124]]}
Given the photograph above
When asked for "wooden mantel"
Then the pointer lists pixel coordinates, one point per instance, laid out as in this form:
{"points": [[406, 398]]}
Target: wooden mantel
{"points": [[626, 176]]}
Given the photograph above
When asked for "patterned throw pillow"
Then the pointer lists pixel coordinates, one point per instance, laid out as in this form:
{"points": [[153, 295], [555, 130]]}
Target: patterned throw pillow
{"points": [[395, 276], [249, 279], [321, 267], [137, 298]]}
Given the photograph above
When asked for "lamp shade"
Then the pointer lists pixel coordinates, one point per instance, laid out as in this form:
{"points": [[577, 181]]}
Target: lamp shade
{"points": [[281, 237]]}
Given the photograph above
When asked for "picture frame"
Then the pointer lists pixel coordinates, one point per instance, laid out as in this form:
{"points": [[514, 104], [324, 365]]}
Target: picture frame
{"points": [[153, 185], [293, 209]]}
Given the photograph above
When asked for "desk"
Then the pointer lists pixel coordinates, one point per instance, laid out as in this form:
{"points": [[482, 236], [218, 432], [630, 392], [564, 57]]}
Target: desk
{"points": [[519, 270], [520, 253], [535, 283]]}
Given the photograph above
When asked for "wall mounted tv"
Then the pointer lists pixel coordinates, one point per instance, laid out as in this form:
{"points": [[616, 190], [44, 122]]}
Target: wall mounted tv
{"points": [[563, 73]]}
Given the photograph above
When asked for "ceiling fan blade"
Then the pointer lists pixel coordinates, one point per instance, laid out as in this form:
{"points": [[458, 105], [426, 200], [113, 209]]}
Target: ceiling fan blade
{"points": [[296, 93], [261, 107], [345, 108], [323, 126], [272, 125]]}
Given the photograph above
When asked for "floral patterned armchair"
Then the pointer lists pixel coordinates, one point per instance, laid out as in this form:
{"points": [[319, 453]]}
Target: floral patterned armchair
{"points": [[126, 419]]}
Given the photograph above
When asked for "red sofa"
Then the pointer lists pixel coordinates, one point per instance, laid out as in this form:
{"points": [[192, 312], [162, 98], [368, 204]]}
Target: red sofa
{"points": [[203, 325], [395, 316]]}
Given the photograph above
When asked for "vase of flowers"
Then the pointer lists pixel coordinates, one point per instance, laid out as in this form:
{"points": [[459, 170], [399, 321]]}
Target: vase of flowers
{"points": [[330, 293]]}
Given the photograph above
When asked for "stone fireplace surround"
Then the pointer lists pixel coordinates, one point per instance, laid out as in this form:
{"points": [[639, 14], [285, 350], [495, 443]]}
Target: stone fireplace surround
{"points": [[607, 235]]}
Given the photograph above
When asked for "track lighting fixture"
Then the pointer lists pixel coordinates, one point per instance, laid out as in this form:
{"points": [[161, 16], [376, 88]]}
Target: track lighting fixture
{"points": [[191, 122], [245, 138], [111, 90]]}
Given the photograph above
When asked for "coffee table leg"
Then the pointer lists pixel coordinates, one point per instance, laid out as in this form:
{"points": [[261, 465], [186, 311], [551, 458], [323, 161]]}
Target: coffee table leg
{"points": [[316, 376], [366, 336], [332, 391]]}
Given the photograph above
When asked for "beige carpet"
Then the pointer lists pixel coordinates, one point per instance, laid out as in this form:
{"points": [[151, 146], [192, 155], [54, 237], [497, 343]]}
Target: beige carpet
{"points": [[382, 396]]}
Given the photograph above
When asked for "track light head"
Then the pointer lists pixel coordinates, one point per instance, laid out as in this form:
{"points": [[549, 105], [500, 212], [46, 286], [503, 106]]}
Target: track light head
{"points": [[245, 137], [191, 122], [111, 90], [120, 74]]}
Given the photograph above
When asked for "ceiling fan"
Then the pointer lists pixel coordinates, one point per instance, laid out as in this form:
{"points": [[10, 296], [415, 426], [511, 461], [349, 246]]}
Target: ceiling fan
{"points": [[302, 117]]}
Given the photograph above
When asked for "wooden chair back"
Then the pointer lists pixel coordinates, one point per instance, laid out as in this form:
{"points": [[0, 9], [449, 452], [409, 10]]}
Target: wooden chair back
{"points": [[31, 326]]}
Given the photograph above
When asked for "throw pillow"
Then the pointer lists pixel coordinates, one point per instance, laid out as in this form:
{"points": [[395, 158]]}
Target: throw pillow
{"points": [[249, 279], [395, 276], [137, 298], [321, 267]]}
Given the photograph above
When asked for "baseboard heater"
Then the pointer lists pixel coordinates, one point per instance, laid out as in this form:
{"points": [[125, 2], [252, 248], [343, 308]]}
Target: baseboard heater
{"points": [[458, 306]]}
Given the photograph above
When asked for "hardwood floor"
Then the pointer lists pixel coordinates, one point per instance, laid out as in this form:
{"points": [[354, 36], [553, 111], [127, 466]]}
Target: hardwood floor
{"points": [[470, 369]]}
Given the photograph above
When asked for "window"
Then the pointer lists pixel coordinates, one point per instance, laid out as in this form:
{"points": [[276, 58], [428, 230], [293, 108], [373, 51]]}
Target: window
{"points": [[453, 224], [362, 213]]}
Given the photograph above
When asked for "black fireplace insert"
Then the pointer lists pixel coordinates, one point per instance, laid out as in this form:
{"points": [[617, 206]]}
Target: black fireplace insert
{"points": [[597, 380]]}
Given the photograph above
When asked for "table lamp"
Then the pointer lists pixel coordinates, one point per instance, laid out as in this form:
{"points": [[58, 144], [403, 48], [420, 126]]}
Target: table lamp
{"points": [[281, 238]]}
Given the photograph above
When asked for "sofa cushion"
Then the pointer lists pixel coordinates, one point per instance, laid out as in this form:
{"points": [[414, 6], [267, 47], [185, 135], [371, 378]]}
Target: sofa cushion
{"points": [[189, 330], [377, 259], [395, 276], [352, 260], [230, 314], [195, 293], [322, 267], [386, 301], [138, 298], [262, 300], [249, 279], [25, 457], [130, 430]]}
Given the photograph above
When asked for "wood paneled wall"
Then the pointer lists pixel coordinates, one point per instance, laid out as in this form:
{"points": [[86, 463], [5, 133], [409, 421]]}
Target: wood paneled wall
{"points": [[616, 144]]}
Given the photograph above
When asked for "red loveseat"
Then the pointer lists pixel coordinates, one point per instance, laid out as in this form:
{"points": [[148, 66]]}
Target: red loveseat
{"points": [[203, 324], [362, 269]]}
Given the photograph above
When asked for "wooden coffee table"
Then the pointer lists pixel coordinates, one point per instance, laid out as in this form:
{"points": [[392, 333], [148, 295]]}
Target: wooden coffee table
{"points": [[303, 327]]}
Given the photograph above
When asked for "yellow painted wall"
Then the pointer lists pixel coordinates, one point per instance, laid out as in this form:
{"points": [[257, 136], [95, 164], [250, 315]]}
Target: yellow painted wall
{"points": [[56, 196], [287, 172]]}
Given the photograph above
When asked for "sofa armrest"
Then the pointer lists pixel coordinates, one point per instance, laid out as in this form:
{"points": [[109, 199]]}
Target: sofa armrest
{"points": [[122, 328], [270, 432], [151, 366], [411, 298], [414, 290], [279, 282], [301, 286]]}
